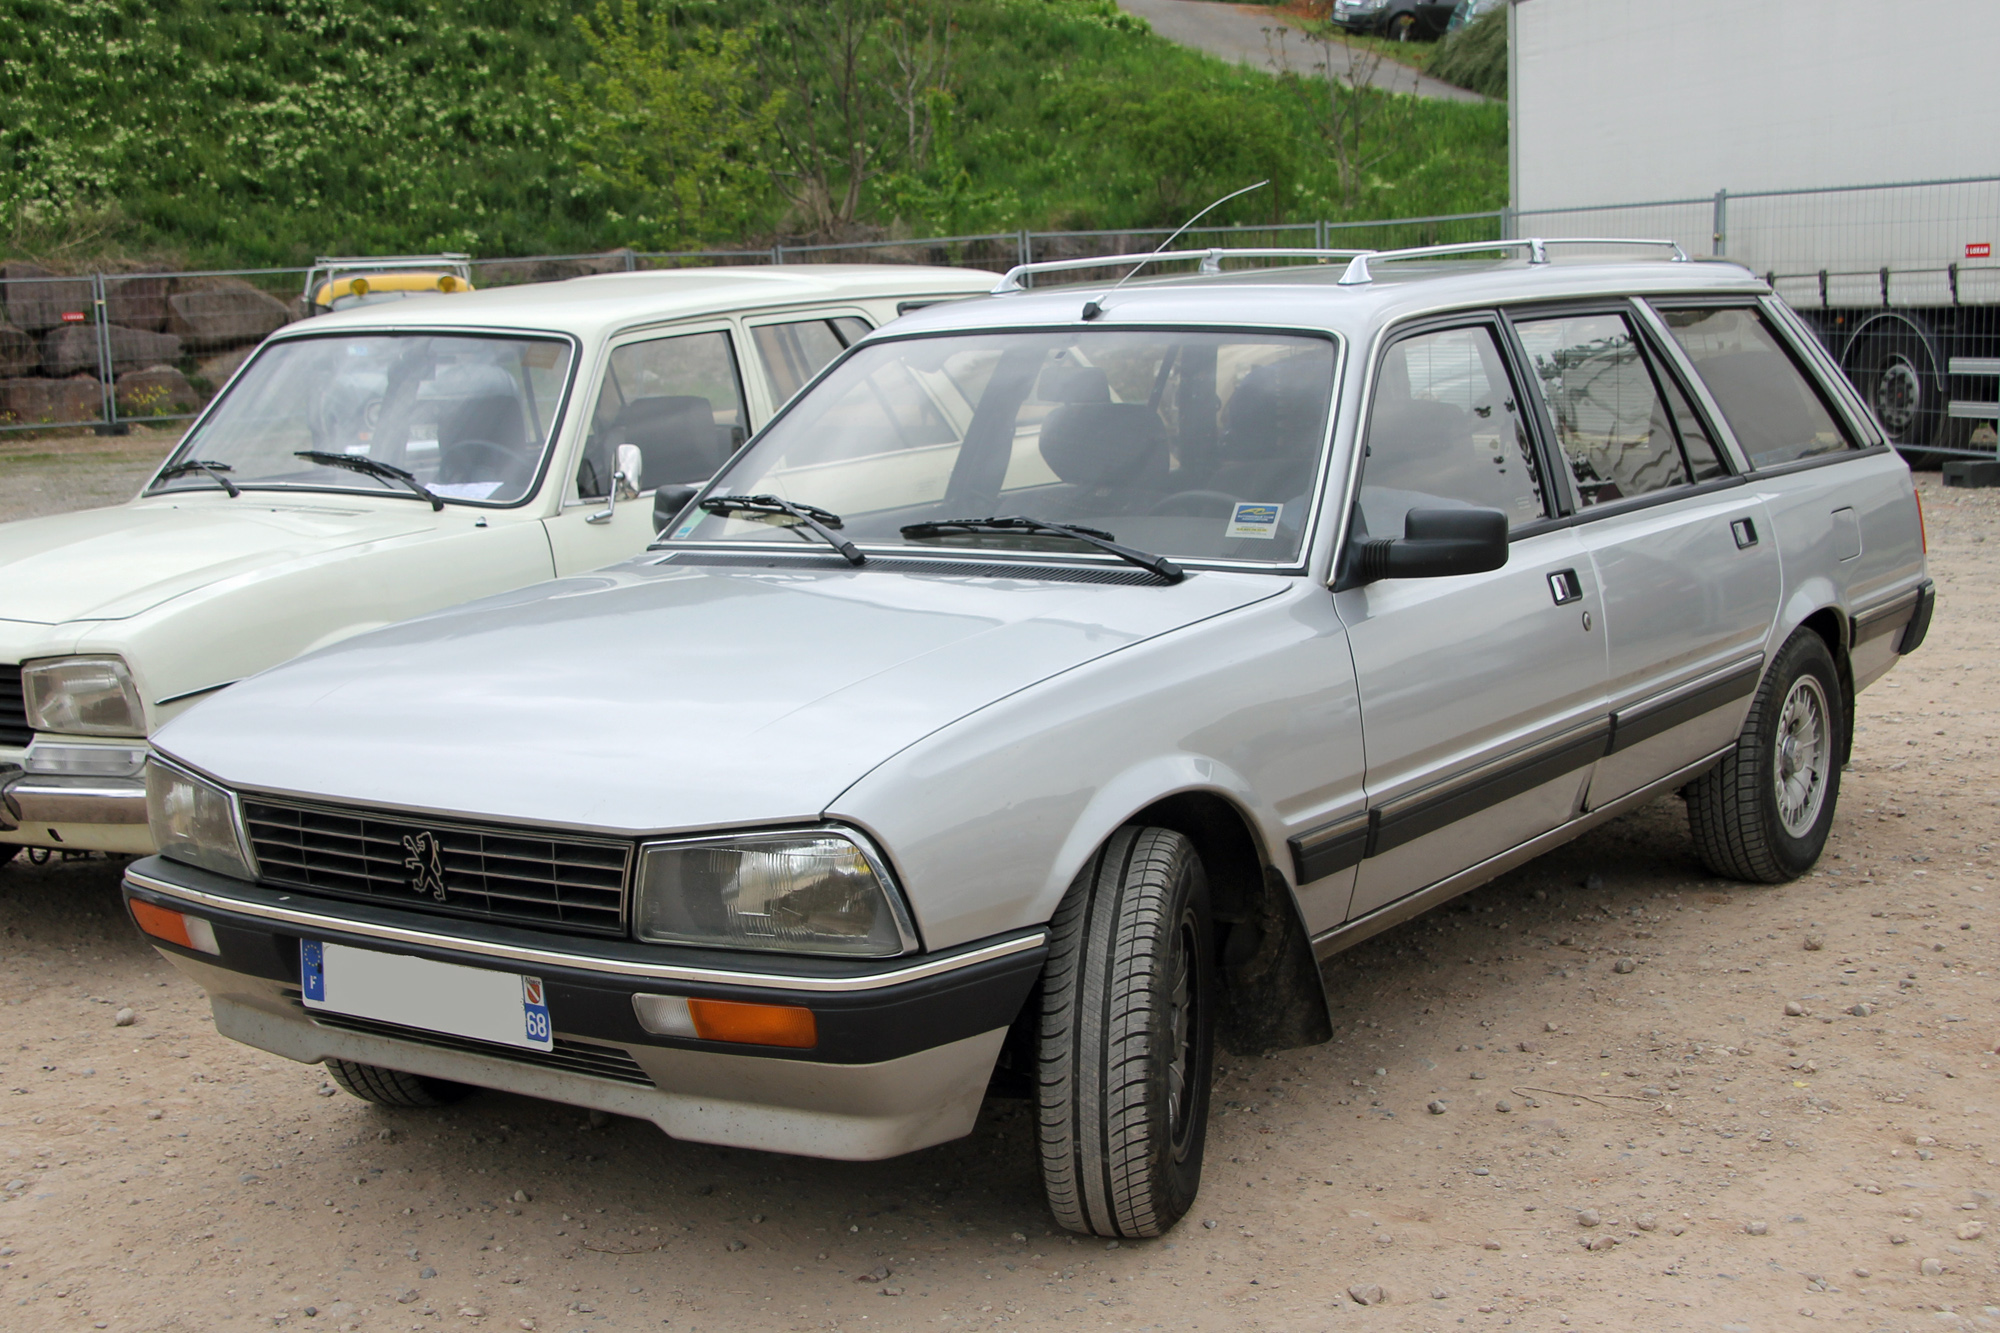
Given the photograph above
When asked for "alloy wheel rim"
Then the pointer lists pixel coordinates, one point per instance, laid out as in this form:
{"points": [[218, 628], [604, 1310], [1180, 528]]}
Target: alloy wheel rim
{"points": [[1182, 1001], [1804, 756]]}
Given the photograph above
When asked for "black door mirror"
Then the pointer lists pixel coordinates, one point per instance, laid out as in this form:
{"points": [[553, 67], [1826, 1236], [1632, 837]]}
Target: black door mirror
{"points": [[669, 501], [1436, 543]]}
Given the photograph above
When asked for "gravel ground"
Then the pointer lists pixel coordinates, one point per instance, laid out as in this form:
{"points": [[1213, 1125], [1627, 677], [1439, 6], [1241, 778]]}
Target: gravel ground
{"points": [[1659, 1146], [51, 474]]}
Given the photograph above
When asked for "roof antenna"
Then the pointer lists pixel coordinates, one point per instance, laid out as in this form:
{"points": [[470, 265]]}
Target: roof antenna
{"points": [[1092, 309]]}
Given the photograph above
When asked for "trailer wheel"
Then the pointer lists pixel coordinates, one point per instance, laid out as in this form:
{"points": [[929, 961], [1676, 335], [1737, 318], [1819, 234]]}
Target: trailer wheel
{"points": [[1895, 364]]}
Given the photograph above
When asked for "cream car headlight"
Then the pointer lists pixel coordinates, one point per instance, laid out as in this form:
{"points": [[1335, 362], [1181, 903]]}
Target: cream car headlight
{"points": [[82, 696], [195, 822], [810, 891]]}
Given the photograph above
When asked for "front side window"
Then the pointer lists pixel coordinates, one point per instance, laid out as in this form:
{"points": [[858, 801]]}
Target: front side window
{"points": [[1774, 409], [794, 352], [1621, 433], [678, 399], [1195, 445], [1446, 431], [468, 416]]}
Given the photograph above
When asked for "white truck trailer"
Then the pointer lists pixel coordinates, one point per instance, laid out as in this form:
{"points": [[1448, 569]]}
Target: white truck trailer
{"points": [[1847, 149]]}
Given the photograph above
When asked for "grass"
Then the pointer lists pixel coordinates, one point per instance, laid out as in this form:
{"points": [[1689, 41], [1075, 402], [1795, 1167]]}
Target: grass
{"points": [[243, 132]]}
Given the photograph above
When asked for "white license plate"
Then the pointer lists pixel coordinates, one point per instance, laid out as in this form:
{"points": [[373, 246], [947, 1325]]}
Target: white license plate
{"points": [[503, 1007]]}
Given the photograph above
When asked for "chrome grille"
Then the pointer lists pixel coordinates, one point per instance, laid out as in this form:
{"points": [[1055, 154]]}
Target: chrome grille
{"points": [[565, 883], [13, 708], [578, 1057]]}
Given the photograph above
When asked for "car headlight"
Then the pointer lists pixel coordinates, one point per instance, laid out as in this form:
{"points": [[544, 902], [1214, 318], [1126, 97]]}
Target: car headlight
{"points": [[810, 891], [195, 821], [83, 696]]}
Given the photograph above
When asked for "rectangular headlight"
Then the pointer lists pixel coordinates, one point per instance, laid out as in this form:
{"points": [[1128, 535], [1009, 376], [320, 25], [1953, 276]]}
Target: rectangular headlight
{"points": [[195, 822], [82, 696], [811, 891]]}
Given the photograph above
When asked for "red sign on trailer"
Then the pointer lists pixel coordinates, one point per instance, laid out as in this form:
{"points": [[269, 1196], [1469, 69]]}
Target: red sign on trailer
{"points": [[72, 316], [1979, 249]]}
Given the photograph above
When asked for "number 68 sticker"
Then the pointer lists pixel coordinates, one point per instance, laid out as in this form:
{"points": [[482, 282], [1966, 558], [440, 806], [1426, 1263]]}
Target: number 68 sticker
{"points": [[535, 1006]]}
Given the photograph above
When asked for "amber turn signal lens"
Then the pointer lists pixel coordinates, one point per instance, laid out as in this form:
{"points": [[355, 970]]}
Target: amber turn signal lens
{"points": [[190, 932], [754, 1024]]}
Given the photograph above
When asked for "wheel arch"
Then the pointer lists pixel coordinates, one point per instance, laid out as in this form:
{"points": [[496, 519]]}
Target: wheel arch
{"points": [[1832, 626], [1273, 997]]}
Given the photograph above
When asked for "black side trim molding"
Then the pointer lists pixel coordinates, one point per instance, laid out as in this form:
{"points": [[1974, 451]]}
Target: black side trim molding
{"points": [[1920, 620], [1648, 720], [1887, 618], [1330, 848], [1427, 814]]}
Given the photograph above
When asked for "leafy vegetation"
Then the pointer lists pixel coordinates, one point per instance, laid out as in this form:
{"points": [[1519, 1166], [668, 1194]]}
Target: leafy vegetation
{"points": [[232, 132], [1475, 57]]}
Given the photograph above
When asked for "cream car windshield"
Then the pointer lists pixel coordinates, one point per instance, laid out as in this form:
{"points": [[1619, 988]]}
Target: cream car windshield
{"points": [[1194, 445], [468, 417]]}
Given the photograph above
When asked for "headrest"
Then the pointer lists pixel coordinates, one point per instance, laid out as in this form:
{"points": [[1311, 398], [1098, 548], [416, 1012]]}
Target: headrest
{"points": [[677, 438], [644, 417], [1074, 384], [492, 417], [1105, 444], [1277, 411]]}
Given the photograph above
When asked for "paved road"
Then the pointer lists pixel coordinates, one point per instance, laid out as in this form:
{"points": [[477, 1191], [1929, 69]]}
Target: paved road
{"points": [[1240, 33]]}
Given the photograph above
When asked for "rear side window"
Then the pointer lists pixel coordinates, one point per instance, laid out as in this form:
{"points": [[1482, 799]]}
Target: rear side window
{"points": [[1446, 431], [1778, 415], [794, 353], [1622, 429]]}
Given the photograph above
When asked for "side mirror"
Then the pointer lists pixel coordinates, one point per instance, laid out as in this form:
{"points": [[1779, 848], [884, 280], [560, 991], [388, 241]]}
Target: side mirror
{"points": [[1437, 543], [669, 501]]}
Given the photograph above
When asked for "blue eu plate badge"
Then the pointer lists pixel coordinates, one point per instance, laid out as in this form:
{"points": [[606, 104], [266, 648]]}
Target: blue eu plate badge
{"points": [[1254, 520], [312, 970]]}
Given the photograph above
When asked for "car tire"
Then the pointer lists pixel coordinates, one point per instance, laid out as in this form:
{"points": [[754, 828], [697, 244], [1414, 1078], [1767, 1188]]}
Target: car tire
{"points": [[1126, 1042], [1896, 366], [8, 851], [1762, 815], [1400, 27], [393, 1087]]}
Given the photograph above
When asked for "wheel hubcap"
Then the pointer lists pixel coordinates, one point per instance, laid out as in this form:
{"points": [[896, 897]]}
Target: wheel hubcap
{"points": [[1899, 394], [1804, 758], [1182, 1000]]}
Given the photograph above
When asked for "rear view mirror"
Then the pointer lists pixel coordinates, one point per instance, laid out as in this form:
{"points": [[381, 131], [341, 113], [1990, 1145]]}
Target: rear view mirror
{"points": [[1436, 543], [669, 501]]}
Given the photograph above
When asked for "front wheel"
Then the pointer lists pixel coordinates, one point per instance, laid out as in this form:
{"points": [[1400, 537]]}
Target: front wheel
{"points": [[1127, 1038], [1764, 812]]}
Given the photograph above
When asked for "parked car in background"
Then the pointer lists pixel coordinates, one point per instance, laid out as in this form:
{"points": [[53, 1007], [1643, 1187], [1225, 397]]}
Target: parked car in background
{"points": [[376, 463], [996, 718], [1402, 20]]}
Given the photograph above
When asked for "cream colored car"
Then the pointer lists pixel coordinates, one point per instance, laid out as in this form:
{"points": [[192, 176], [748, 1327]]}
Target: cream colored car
{"points": [[382, 463]]}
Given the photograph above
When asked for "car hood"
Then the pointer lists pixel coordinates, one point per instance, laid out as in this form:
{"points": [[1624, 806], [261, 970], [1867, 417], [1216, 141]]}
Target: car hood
{"points": [[655, 697], [108, 564]]}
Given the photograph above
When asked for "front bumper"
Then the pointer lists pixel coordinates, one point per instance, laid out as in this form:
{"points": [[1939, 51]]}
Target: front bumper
{"points": [[100, 814], [905, 1048]]}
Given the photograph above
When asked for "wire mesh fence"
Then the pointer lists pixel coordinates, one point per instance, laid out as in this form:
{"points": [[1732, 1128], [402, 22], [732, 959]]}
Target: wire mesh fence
{"points": [[1898, 279]]}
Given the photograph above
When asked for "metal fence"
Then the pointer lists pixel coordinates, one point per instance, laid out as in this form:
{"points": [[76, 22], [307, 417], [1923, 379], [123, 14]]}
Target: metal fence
{"points": [[1899, 280]]}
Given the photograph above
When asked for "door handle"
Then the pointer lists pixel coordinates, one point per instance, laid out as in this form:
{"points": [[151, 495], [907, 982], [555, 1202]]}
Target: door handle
{"points": [[1745, 533], [1565, 587]]}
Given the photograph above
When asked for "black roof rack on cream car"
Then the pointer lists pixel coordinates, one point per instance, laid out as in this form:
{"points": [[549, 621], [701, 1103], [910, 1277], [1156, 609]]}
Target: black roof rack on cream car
{"points": [[1358, 260]]}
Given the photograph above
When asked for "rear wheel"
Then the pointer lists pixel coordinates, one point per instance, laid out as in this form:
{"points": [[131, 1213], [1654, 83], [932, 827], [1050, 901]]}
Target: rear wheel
{"points": [[1401, 27], [1897, 370], [1764, 812], [394, 1087], [1127, 1038]]}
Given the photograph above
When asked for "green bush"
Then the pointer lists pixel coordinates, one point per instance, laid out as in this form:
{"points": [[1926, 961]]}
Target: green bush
{"points": [[1475, 56]]}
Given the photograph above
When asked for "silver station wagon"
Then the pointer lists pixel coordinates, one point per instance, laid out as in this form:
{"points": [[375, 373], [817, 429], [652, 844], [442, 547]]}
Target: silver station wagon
{"points": [[1046, 690]]}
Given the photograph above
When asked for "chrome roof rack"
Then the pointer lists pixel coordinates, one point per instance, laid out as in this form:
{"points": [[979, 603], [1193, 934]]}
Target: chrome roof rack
{"points": [[1536, 246], [1211, 261]]}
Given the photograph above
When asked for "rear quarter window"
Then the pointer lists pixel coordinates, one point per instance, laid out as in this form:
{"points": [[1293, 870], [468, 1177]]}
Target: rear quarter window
{"points": [[1776, 411]]}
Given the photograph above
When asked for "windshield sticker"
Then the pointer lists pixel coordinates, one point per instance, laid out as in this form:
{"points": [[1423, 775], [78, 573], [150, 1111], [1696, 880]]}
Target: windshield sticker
{"points": [[1254, 520]]}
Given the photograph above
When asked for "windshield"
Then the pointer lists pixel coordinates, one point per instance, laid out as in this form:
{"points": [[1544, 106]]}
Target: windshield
{"points": [[468, 416], [1202, 446]]}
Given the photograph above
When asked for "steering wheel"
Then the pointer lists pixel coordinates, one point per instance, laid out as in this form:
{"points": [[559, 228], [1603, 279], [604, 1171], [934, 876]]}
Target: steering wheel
{"points": [[1196, 504], [468, 459]]}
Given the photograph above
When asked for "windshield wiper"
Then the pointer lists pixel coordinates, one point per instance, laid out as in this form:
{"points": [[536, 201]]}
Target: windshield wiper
{"points": [[369, 467], [821, 521], [1103, 541], [208, 468]]}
